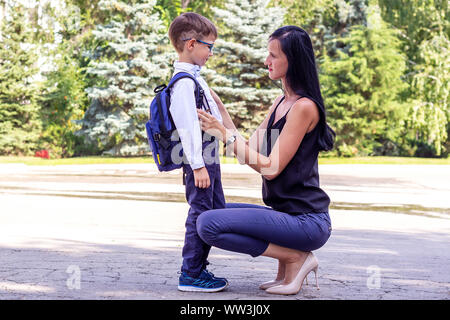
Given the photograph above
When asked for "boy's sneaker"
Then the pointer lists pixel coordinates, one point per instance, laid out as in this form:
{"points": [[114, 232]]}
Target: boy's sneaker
{"points": [[204, 283], [207, 274]]}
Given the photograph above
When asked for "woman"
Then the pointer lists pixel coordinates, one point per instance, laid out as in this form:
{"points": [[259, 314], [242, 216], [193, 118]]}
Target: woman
{"points": [[296, 221]]}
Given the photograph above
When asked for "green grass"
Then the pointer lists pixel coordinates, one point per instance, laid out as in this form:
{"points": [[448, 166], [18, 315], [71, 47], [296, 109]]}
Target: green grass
{"points": [[384, 160], [76, 160], [33, 161], [111, 160]]}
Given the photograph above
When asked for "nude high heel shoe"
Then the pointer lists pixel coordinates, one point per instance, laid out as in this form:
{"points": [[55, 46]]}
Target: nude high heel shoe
{"points": [[269, 284], [275, 282], [310, 264]]}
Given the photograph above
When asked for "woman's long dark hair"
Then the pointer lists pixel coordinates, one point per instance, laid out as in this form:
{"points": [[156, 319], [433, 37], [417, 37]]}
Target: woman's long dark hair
{"points": [[302, 76]]}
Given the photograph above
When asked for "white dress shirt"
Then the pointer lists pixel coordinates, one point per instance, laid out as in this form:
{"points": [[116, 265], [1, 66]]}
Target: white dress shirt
{"points": [[184, 113]]}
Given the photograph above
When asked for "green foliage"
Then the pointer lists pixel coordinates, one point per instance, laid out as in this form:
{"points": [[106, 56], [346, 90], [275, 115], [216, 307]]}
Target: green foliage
{"points": [[20, 125], [168, 10], [127, 63], [62, 102], [205, 8], [425, 30], [429, 114], [237, 72], [385, 75], [325, 20], [303, 13], [418, 20], [361, 90]]}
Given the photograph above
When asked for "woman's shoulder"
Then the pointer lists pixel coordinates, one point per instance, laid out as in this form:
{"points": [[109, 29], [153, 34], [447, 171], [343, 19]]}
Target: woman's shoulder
{"points": [[304, 109], [305, 106]]}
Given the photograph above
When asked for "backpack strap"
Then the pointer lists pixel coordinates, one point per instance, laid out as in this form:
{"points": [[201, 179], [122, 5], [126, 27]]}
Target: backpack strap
{"points": [[199, 93]]}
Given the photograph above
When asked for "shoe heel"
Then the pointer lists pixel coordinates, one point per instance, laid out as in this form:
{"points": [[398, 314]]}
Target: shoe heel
{"points": [[315, 274]]}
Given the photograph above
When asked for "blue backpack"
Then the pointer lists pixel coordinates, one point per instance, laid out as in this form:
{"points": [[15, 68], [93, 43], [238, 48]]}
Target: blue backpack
{"points": [[162, 134]]}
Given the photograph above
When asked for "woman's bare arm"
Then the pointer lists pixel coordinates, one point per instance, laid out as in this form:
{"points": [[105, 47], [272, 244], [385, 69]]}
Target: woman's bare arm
{"points": [[299, 120], [257, 137], [227, 121]]}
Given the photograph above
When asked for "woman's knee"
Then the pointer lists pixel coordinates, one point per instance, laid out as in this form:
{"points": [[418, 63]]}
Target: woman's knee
{"points": [[206, 226], [234, 205]]}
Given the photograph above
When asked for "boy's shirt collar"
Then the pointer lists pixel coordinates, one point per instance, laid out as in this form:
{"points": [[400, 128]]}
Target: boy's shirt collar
{"points": [[187, 67]]}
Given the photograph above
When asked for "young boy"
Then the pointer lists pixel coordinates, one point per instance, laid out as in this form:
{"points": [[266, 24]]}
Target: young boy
{"points": [[193, 37]]}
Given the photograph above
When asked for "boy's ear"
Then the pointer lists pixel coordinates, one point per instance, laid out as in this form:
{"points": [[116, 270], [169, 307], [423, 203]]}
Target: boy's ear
{"points": [[189, 44]]}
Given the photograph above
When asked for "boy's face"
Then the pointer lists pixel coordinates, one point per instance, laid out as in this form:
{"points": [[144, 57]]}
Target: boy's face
{"points": [[199, 50]]}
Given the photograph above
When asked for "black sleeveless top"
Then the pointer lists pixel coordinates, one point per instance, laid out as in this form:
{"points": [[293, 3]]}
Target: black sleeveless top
{"points": [[296, 189]]}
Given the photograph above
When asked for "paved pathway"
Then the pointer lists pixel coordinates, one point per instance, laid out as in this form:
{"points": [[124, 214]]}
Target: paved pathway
{"points": [[110, 232]]}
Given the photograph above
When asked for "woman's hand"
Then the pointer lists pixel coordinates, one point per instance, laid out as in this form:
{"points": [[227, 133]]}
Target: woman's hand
{"points": [[211, 125]]}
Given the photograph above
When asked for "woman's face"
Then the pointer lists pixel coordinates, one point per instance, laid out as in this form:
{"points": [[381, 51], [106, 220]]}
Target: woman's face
{"points": [[276, 60]]}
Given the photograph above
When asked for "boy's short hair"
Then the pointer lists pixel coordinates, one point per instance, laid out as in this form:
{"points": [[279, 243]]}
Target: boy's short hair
{"points": [[190, 25]]}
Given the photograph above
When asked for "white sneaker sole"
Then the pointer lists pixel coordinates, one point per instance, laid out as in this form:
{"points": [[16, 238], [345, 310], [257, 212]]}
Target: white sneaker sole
{"points": [[197, 289]]}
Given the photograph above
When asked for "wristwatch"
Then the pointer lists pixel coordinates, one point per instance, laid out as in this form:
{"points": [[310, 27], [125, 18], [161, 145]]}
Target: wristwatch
{"points": [[230, 140]]}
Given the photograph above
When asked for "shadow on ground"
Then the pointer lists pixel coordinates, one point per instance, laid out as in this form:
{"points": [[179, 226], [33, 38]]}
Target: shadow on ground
{"points": [[354, 264]]}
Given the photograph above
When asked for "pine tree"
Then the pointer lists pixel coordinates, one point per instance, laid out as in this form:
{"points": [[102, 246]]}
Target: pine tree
{"points": [[337, 22], [129, 63], [362, 90], [19, 122], [325, 20], [237, 72], [63, 99]]}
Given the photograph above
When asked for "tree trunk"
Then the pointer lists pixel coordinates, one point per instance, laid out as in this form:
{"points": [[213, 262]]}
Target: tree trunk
{"points": [[185, 3]]}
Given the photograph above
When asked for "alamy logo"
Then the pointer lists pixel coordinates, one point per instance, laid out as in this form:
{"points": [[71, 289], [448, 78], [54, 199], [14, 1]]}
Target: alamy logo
{"points": [[211, 151], [374, 280], [74, 280]]}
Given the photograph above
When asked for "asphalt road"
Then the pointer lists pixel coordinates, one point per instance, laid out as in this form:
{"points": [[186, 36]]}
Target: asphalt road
{"points": [[116, 232]]}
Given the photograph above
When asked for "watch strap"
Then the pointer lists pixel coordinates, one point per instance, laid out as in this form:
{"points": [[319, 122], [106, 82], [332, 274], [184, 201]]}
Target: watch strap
{"points": [[230, 140]]}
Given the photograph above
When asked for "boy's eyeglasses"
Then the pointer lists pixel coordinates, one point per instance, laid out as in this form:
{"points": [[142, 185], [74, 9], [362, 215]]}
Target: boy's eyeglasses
{"points": [[210, 45]]}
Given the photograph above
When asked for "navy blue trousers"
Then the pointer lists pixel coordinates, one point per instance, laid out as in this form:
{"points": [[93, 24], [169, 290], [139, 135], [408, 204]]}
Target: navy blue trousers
{"points": [[248, 228], [195, 250]]}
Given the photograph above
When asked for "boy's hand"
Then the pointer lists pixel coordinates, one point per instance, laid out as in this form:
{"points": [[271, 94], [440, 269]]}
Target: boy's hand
{"points": [[201, 178]]}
